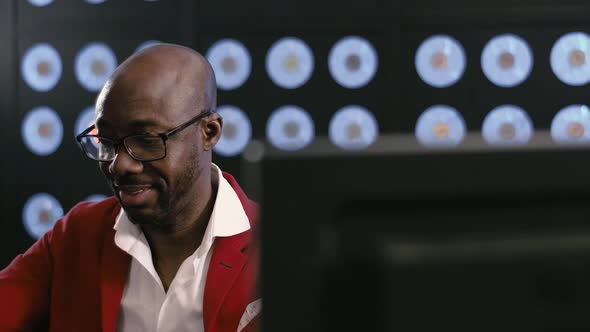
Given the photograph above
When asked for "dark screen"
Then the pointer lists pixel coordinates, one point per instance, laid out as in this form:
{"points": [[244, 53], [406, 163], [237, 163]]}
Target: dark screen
{"points": [[419, 242]]}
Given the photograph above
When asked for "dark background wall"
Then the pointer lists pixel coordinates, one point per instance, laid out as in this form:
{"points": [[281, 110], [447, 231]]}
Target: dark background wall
{"points": [[396, 95]]}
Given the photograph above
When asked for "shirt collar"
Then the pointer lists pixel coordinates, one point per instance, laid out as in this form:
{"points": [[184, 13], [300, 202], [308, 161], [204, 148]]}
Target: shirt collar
{"points": [[228, 217]]}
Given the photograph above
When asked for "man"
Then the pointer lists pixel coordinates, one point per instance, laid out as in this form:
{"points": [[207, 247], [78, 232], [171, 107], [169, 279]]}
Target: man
{"points": [[174, 251]]}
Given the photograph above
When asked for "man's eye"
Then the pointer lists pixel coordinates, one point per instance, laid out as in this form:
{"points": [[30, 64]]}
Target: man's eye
{"points": [[147, 141]]}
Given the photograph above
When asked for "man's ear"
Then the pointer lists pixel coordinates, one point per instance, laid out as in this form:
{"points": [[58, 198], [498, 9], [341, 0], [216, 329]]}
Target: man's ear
{"points": [[212, 131]]}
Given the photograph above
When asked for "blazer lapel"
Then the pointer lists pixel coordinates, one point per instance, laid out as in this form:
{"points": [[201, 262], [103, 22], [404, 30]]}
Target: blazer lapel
{"points": [[225, 266], [115, 265]]}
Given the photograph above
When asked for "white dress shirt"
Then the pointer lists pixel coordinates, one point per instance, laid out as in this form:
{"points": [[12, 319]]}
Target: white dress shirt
{"points": [[145, 305]]}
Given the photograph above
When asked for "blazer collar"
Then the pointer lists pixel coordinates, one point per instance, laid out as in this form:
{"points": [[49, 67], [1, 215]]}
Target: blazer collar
{"points": [[114, 265], [228, 259]]}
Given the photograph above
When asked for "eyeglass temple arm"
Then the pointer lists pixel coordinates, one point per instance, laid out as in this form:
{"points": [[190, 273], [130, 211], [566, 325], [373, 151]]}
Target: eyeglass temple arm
{"points": [[190, 122], [86, 131]]}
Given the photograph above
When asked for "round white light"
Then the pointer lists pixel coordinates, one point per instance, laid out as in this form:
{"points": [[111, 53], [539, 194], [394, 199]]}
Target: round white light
{"points": [[41, 67], [231, 63], [440, 126], [570, 58], [40, 213], [290, 128], [440, 61], [353, 62], [353, 127], [507, 60], [93, 66], [507, 125], [571, 125], [289, 63], [42, 131], [236, 131]]}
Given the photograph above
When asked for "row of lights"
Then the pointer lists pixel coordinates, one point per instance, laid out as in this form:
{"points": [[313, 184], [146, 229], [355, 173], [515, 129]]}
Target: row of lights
{"points": [[41, 65], [353, 63], [353, 127], [506, 60], [42, 210], [440, 61], [291, 128]]}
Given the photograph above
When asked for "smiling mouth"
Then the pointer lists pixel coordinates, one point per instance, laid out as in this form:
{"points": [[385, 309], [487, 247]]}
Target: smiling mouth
{"points": [[134, 191], [134, 195], [131, 189]]}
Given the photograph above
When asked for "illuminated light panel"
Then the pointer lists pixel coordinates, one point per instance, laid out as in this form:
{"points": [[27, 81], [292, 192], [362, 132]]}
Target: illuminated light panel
{"points": [[571, 125], [146, 44], [231, 63], [570, 58], [93, 65], [42, 130], [440, 126], [95, 198], [507, 125], [236, 131], [95, 2], [41, 67], [440, 61], [289, 63], [40, 213], [40, 3], [507, 60], [290, 128], [353, 62], [353, 127]]}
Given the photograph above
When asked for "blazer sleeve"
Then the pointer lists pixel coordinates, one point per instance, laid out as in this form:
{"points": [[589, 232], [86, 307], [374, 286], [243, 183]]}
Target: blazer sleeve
{"points": [[255, 325], [25, 289]]}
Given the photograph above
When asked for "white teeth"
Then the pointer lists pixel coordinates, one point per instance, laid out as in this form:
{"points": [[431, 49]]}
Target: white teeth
{"points": [[134, 192]]}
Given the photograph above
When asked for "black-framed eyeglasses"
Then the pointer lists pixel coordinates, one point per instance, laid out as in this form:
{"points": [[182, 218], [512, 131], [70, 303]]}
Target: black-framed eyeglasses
{"points": [[139, 147]]}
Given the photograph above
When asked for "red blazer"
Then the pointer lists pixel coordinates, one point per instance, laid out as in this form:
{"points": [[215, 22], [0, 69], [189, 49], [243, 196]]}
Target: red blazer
{"points": [[72, 279]]}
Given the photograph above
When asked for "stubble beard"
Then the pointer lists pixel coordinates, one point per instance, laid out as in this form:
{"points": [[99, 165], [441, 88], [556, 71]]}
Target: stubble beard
{"points": [[173, 202]]}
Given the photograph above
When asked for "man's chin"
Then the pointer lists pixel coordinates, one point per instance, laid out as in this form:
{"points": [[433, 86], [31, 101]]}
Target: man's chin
{"points": [[145, 213], [144, 218], [139, 215]]}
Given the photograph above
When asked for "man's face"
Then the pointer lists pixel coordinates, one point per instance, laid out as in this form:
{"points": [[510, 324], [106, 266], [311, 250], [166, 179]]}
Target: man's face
{"points": [[150, 192]]}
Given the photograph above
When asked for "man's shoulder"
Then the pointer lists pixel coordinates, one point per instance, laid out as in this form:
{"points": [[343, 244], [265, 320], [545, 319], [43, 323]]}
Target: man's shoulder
{"points": [[90, 217]]}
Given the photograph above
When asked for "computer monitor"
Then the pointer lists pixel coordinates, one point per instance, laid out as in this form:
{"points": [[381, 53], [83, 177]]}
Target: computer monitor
{"points": [[387, 239]]}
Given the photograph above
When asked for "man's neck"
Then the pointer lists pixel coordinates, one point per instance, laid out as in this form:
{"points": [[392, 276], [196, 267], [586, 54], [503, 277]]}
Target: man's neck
{"points": [[170, 250]]}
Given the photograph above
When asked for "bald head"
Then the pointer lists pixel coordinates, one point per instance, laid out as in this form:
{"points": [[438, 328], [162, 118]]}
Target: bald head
{"points": [[174, 75]]}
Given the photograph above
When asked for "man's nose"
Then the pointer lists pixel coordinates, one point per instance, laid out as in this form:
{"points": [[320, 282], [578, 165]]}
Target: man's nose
{"points": [[124, 164]]}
